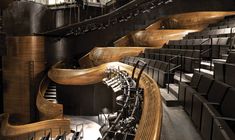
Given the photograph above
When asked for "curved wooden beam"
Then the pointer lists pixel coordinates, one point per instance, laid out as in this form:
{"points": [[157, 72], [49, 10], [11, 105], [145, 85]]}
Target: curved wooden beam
{"points": [[47, 110], [153, 38], [192, 20], [101, 55], [8, 130], [150, 123], [172, 27]]}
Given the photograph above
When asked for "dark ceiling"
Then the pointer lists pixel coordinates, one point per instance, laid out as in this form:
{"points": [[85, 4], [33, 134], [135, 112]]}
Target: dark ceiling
{"points": [[4, 3]]}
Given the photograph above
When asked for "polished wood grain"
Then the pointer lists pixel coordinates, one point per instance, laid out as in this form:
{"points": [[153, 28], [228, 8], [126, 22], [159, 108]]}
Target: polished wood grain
{"points": [[47, 110], [152, 38], [172, 27], [19, 132], [23, 64], [150, 123], [100, 55], [192, 20]]}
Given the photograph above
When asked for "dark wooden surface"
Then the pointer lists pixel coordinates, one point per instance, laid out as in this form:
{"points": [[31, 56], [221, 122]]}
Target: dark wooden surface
{"points": [[22, 65]]}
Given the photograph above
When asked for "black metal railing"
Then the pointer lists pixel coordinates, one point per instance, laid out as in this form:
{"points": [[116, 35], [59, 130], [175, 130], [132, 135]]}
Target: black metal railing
{"points": [[170, 70], [131, 8], [205, 51]]}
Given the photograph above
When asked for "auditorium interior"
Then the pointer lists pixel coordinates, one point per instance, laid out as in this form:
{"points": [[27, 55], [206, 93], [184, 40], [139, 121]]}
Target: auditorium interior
{"points": [[117, 70]]}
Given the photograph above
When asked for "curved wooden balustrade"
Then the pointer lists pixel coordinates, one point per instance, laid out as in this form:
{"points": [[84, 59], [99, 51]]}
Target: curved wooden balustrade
{"points": [[8, 130], [192, 20], [152, 38], [47, 109], [172, 27], [100, 55], [150, 123]]}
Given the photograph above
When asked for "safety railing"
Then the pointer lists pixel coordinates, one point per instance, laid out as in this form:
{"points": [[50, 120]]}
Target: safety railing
{"points": [[170, 70], [133, 8]]}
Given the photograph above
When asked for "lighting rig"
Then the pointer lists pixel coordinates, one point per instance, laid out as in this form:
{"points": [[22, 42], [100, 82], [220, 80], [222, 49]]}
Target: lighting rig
{"points": [[125, 124]]}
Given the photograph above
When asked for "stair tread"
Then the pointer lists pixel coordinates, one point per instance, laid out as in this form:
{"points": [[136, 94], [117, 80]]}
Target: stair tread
{"points": [[209, 72], [167, 96]]}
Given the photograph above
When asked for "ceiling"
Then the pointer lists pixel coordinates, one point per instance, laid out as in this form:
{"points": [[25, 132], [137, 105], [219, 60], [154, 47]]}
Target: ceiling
{"points": [[4, 3]]}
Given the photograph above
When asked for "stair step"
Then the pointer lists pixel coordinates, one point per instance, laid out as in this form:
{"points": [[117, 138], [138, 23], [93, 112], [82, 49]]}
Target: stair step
{"points": [[51, 89], [206, 65], [188, 76], [174, 89], [50, 93], [177, 77], [206, 72], [168, 98], [50, 96], [219, 60]]}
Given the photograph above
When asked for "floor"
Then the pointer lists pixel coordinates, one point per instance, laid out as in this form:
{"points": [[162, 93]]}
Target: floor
{"points": [[176, 125]]}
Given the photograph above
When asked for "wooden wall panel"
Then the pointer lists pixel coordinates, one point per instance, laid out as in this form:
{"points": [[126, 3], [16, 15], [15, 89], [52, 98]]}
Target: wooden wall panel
{"points": [[22, 65]]}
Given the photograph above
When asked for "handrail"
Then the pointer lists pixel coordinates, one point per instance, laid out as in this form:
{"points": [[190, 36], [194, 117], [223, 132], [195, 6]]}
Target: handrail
{"points": [[201, 53], [47, 109], [150, 123], [8, 130], [119, 12], [98, 18], [170, 70]]}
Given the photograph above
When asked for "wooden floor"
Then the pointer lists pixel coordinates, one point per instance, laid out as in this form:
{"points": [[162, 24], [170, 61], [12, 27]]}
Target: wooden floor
{"points": [[177, 125]]}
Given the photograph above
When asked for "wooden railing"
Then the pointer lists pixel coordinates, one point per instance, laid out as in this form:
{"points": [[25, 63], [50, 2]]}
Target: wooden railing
{"points": [[47, 110], [101, 55], [19, 132], [150, 123]]}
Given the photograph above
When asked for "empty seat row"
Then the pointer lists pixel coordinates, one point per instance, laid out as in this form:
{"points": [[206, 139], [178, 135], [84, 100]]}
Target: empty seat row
{"points": [[210, 47], [225, 71], [210, 104], [187, 59], [156, 69], [223, 22], [229, 25], [225, 32]]}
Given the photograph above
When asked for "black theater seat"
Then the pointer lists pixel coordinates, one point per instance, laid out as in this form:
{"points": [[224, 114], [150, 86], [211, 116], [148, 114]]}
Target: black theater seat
{"points": [[163, 75], [222, 71], [202, 89], [229, 74], [183, 85], [218, 121], [215, 95]]}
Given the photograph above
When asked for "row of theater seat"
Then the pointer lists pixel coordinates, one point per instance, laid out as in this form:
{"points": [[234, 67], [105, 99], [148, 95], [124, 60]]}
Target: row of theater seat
{"points": [[225, 32], [188, 59], [225, 71], [156, 69], [223, 22], [218, 46], [210, 104]]}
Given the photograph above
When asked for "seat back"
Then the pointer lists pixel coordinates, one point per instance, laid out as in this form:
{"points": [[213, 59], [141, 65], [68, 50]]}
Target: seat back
{"points": [[164, 66], [229, 74], [231, 58], [204, 84], [228, 103], [195, 80], [217, 91], [158, 64]]}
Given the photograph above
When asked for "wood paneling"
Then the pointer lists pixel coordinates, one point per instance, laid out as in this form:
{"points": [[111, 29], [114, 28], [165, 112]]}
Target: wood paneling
{"points": [[22, 66]]}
